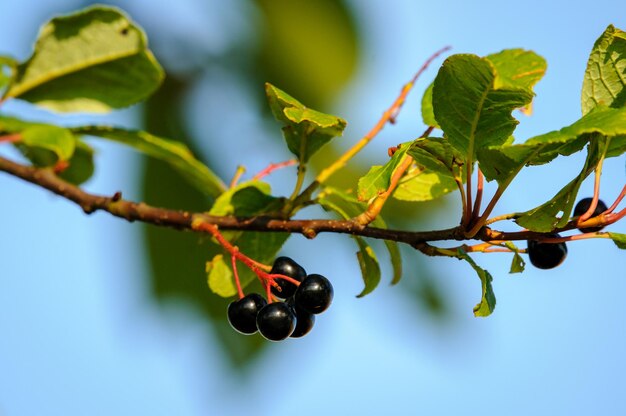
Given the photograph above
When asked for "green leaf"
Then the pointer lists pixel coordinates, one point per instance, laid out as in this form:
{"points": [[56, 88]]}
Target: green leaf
{"points": [[378, 179], [428, 116], [555, 213], [502, 163], [517, 264], [81, 166], [246, 199], [418, 186], [347, 206], [618, 239], [438, 164], [95, 60], [305, 130], [472, 110], [370, 270], [56, 139], [605, 77], [517, 68], [617, 147], [43, 144], [220, 277], [176, 154], [488, 300]]}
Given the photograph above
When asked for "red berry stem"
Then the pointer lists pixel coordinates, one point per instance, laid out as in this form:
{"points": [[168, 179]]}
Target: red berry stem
{"points": [[233, 262], [260, 269]]}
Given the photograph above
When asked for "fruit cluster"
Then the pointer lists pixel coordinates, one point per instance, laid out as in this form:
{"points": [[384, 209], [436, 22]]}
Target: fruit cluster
{"points": [[293, 315], [550, 255]]}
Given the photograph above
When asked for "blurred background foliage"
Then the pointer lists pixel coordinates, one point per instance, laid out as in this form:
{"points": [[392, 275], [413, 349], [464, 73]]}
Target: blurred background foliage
{"points": [[216, 67]]}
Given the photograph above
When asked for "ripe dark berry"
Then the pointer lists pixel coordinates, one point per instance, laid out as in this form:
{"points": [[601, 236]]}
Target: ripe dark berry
{"points": [[314, 294], [288, 267], [276, 321], [546, 255], [304, 320], [242, 313], [583, 206]]}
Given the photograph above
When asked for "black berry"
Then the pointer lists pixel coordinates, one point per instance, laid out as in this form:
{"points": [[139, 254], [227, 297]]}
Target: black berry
{"points": [[276, 321], [242, 313], [583, 206], [304, 320], [288, 267], [546, 255], [314, 294]]}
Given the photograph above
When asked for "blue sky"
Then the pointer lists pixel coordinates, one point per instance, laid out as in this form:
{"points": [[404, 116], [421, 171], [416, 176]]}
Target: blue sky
{"points": [[79, 335]]}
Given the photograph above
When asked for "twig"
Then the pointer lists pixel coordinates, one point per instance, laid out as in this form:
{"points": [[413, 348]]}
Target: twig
{"points": [[272, 167]]}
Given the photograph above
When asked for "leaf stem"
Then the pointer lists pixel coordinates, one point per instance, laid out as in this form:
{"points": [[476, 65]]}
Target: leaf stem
{"points": [[467, 217], [240, 171], [483, 218], [479, 195], [510, 216], [272, 167], [617, 201], [596, 193]]}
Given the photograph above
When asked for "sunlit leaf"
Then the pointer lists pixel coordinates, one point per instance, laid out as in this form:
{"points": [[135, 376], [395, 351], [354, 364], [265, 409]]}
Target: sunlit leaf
{"points": [[174, 153], [471, 109], [428, 116], [605, 77], [95, 60], [517, 68], [437, 165], [378, 179], [220, 277], [619, 240], [305, 130], [418, 185], [56, 139]]}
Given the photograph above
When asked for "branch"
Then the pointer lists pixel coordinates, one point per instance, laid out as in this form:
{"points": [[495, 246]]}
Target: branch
{"points": [[193, 221], [185, 220]]}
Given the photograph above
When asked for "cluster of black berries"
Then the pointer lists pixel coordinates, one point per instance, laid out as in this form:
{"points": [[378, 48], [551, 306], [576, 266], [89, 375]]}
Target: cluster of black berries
{"points": [[294, 317], [550, 255]]}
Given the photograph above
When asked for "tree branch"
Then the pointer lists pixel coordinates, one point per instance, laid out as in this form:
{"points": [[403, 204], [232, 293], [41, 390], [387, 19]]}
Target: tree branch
{"points": [[134, 211], [192, 221]]}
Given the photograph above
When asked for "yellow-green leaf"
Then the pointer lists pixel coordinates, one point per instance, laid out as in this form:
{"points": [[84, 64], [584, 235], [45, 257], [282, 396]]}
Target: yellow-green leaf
{"points": [[95, 60], [220, 277]]}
